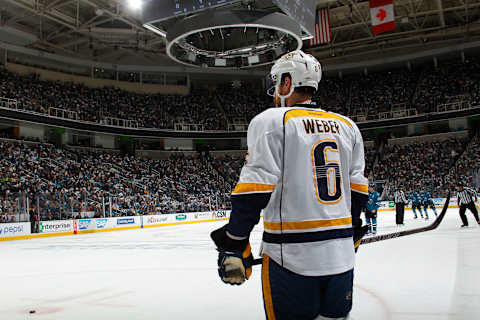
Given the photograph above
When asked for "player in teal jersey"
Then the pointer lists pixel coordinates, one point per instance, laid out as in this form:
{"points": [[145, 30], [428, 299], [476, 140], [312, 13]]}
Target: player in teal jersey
{"points": [[427, 201]]}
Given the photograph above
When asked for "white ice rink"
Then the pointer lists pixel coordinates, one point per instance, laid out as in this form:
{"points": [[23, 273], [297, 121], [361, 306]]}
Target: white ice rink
{"points": [[170, 273]]}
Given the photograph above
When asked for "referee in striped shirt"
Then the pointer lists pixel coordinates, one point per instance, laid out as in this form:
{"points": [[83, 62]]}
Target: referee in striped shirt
{"points": [[400, 201], [466, 198]]}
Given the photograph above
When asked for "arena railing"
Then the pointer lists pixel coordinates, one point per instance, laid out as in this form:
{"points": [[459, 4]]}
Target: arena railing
{"points": [[237, 127], [14, 207], [8, 103], [62, 113], [385, 115], [188, 127], [454, 106], [117, 122], [59, 113], [233, 127]]}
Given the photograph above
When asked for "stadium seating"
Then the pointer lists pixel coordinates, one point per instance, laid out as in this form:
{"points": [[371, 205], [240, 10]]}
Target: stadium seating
{"points": [[59, 183], [64, 182], [363, 97]]}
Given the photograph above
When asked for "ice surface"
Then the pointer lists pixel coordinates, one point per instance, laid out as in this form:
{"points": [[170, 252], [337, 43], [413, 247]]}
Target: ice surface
{"points": [[170, 273]]}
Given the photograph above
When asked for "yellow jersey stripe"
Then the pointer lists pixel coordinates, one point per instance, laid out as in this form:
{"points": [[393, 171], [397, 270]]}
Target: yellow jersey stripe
{"points": [[252, 187], [363, 188], [301, 225], [267, 291], [317, 114]]}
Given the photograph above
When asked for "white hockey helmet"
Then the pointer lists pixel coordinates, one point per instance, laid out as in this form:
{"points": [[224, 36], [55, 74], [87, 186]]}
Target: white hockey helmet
{"points": [[304, 70]]}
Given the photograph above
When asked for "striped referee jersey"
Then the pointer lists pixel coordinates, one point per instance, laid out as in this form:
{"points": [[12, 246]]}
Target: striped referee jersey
{"points": [[400, 197], [466, 196]]}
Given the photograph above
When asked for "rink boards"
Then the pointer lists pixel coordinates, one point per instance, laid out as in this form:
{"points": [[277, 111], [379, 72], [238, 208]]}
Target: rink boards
{"points": [[439, 203], [20, 231]]}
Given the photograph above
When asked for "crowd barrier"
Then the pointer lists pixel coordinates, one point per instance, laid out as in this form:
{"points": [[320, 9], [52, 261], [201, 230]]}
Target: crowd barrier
{"points": [[9, 231], [438, 202], [18, 231]]}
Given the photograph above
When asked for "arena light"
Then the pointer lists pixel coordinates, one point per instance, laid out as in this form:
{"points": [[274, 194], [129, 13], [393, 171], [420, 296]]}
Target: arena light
{"points": [[220, 62], [247, 49], [155, 30], [253, 59], [192, 56], [135, 4]]}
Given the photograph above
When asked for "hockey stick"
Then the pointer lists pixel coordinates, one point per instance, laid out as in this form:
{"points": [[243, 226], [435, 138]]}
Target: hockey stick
{"points": [[430, 227], [394, 235]]}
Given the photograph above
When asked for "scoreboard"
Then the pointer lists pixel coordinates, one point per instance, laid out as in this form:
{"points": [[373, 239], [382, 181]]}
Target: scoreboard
{"points": [[164, 9], [188, 6], [302, 11]]}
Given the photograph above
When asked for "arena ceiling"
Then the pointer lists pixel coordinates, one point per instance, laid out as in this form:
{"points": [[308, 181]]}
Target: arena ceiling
{"points": [[108, 30]]}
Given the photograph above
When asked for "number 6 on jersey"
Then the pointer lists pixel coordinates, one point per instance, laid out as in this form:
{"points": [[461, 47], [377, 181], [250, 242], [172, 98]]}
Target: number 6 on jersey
{"points": [[326, 171]]}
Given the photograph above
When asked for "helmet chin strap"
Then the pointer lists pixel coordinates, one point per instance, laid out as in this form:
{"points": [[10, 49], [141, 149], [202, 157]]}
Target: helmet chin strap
{"points": [[283, 98]]}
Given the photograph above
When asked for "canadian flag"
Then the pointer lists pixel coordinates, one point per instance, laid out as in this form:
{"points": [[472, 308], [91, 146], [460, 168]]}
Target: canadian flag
{"points": [[383, 16]]}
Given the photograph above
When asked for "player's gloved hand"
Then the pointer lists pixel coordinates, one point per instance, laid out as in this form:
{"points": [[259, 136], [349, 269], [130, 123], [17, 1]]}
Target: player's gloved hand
{"points": [[234, 257], [358, 234]]}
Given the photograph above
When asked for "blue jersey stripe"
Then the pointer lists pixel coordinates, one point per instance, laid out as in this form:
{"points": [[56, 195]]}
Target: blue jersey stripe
{"points": [[304, 237]]}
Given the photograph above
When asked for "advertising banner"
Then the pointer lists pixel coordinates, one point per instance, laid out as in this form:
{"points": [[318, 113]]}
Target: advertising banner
{"points": [[149, 220], [85, 224], [101, 223], [14, 229], [220, 214], [55, 226], [181, 217], [107, 223], [125, 221], [383, 205], [202, 215]]}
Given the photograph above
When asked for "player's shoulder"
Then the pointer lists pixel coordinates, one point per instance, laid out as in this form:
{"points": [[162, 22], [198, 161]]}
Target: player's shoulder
{"points": [[345, 119], [270, 114], [317, 111], [273, 118], [268, 120]]}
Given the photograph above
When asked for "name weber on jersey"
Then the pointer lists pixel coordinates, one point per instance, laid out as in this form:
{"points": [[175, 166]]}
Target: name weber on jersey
{"points": [[315, 126]]}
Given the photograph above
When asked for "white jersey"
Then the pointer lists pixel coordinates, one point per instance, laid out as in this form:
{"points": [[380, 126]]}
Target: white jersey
{"points": [[310, 161]]}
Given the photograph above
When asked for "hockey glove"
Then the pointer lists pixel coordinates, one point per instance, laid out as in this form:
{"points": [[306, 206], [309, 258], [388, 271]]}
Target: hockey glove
{"points": [[358, 234], [234, 257]]}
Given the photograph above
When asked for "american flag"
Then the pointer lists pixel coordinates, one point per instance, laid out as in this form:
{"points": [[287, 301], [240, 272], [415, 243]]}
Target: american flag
{"points": [[322, 28]]}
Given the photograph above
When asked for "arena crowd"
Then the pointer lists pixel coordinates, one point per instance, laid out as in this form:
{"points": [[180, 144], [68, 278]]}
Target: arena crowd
{"points": [[62, 183], [362, 96], [59, 183]]}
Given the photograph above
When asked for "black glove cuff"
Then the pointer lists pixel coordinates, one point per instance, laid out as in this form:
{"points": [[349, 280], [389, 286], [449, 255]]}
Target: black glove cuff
{"points": [[224, 242]]}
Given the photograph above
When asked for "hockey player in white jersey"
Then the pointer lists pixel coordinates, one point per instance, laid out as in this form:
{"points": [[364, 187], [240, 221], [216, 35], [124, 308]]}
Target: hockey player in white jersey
{"points": [[305, 170]]}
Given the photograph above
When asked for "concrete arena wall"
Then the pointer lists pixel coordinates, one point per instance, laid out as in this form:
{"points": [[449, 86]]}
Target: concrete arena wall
{"points": [[145, 88], [21, 231]]}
